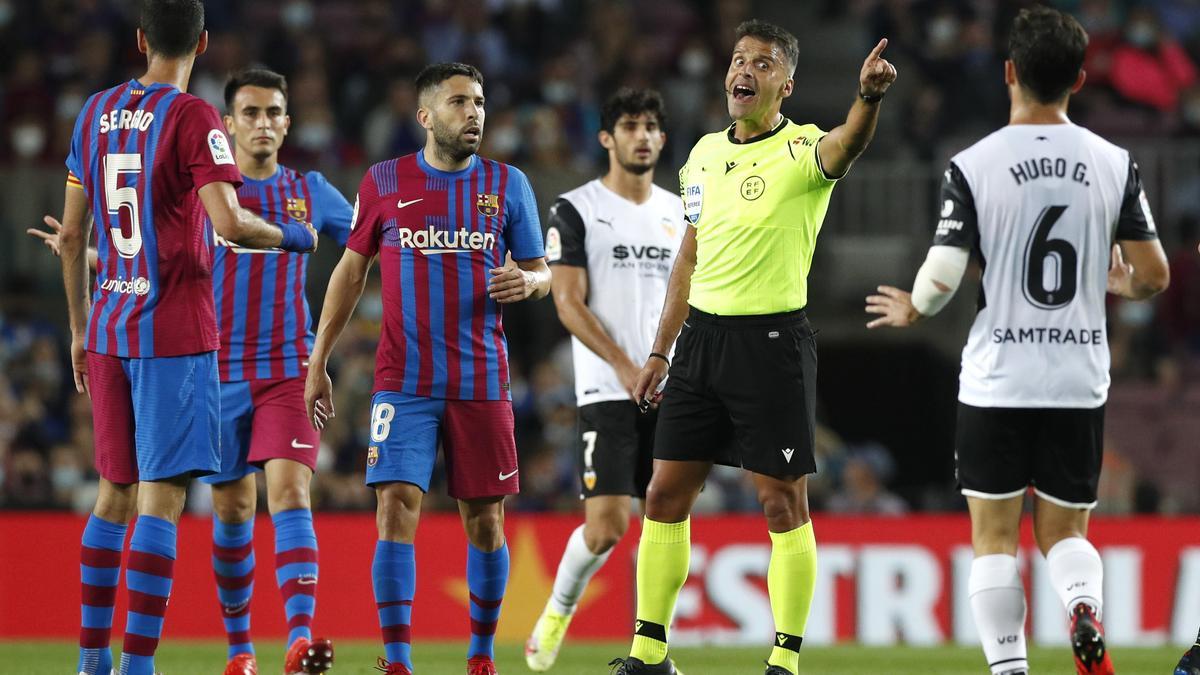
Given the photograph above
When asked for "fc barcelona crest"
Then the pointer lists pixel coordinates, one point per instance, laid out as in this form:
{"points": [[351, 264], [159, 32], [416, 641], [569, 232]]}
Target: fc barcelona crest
{"points": [[372, 455], [488, 204], [297, 209]]}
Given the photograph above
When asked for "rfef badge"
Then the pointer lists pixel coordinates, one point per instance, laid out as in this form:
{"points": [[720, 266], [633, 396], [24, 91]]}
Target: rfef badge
{"points": [[693, 202], [488, 204], [297, 209]]}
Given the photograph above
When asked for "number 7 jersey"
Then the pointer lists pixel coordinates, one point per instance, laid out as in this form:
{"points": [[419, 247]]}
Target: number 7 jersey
{"points": [[1040, 206], [141, 153]]}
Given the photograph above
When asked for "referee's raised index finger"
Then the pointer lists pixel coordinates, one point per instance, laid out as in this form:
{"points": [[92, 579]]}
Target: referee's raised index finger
{"points": [[878, 49]]}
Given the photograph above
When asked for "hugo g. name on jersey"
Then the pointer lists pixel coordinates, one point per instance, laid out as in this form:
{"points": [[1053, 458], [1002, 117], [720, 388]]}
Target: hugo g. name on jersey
{"points": [[628, 251], [1041, 206]]}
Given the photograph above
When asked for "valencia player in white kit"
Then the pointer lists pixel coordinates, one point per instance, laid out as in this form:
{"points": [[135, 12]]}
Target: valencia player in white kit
{"points": [[1052, 212]]}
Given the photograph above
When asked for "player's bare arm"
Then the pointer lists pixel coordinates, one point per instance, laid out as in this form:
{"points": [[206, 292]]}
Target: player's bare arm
{"points": [[1138, 269], [842, 145], [519, 280], [936, 282], [341, 297], [570, 288], [675, 310], [73, 234], [244, 228]]}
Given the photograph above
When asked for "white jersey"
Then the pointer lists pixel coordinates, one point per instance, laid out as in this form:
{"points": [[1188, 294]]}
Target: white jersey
{"points": [[628, 250], [1041, 206]]}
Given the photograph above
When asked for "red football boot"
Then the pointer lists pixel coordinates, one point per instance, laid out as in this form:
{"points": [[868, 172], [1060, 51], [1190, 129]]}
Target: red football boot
{"points": [[307, 657], [388, 668], [1087, 641], [480, 665], [242, 664]]}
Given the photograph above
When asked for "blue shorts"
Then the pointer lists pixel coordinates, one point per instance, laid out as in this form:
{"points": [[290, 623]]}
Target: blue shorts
{"points": [[155, 418], [476, 439], [263, 420]]}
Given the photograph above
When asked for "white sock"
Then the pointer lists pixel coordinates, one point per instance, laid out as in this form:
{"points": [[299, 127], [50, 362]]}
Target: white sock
{"points": [[575, 570], [1077, 573], [998, 605]]}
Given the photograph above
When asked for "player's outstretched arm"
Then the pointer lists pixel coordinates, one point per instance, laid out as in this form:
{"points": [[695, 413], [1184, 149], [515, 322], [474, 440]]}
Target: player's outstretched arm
{"points": [[936, 283], [841, 146], [244, 228], [570, 289], [519, 280], [53, 238], [73, 239], [675, 310], [341, 297], [1138, 269]]}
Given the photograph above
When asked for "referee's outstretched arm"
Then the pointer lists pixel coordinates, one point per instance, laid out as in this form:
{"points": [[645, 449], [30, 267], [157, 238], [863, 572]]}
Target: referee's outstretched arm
{"points": [[841, 146]]}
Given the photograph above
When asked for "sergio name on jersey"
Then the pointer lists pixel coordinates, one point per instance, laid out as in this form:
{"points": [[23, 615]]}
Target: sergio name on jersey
{"points": [[757, 207], [437, 235], [628, 251], [1041, 205]]}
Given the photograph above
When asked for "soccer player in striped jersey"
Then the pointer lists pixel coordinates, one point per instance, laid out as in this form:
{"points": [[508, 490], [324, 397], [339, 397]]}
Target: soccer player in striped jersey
{"points": [[264, 323], [457, 236], [142, 155]]}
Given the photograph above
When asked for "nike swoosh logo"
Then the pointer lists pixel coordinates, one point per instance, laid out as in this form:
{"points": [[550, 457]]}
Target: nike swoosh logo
{"points": [[401, 204], [506, 476], [297, 444]]}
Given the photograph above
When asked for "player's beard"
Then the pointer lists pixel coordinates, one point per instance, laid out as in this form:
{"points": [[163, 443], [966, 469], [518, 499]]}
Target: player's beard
{"points": [[451, 145], [634, 165]]}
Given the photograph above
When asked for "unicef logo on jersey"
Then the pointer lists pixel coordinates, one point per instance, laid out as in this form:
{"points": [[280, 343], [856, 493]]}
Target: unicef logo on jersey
{"points": [[139, 286]]}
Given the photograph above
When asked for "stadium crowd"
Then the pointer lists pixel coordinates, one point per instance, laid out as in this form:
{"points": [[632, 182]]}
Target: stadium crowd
{"points": [[548, 64]]}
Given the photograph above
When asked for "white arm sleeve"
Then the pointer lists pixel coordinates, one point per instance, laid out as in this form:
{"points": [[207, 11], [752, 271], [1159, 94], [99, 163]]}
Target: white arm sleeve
{"points": [[938, 278]]}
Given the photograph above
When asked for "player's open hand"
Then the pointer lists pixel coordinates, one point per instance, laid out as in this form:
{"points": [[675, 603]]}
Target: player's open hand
{"points": [[877, 73], [511, 284], [646, 393], [1120, 274], [79, 365], [50, 239], [895, 307], [318, 396]]}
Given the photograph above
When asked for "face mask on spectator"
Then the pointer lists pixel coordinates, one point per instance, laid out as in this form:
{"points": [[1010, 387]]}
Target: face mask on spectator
{"points": [[68, 106], [65, 477], [28, 140], [314, 136], [505, 140], [558, 92], [371, 307], [695, 62], [943, 30], [1142, 34], [298, 14], [6, 13]]}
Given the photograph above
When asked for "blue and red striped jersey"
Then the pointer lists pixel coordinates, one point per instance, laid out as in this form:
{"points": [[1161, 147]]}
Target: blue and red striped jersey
{"points": [[266, 326], [437, 235], [141, 153]]}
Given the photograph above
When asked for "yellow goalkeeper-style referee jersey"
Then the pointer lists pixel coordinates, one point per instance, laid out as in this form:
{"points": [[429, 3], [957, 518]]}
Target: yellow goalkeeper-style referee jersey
{"points": [[757, 207]]}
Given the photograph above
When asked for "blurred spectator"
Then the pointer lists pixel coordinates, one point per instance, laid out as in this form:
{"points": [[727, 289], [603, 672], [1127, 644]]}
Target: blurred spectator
{"points": [[862, 491], [1148, 66]]}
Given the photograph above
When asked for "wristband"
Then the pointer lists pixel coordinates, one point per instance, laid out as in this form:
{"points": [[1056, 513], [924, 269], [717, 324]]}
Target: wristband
{"points": [[296, 238], [873, 98], [656, 355]]}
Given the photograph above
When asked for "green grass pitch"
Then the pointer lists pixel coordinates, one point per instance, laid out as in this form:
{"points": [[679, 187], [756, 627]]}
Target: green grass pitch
{"points": [[358, 658]]}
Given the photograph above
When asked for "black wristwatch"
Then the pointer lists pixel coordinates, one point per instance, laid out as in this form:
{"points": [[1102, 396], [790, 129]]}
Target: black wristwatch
{"points": [[873, 98]]}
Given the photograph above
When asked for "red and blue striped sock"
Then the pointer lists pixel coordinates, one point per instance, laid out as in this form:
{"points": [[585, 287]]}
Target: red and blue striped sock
{"points": [[296, 569], [99, 572], [148, 576], [487, 575], [394, 576], [233, 566]]}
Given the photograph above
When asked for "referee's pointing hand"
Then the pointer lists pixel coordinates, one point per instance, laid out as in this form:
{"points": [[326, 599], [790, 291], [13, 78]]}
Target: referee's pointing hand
{"points": [[877, 74]]}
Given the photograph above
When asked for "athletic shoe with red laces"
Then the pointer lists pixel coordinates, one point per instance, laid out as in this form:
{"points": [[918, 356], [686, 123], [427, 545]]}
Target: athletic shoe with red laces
{"points": [[242, 664], [1087, 641], [480, 665], [389, 668], [307, 657]]}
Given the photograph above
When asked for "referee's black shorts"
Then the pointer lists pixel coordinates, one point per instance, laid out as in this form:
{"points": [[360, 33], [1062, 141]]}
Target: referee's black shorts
{"points": [[742, 392]]}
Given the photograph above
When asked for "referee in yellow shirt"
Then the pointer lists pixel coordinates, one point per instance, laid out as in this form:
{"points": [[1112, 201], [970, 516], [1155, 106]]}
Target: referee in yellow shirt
{"points": [[742, 388]]}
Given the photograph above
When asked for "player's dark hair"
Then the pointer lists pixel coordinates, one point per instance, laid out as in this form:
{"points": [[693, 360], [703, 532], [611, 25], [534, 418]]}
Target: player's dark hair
{"points": [[630, 101], [253, 77], [433, 75], [172, 27], [1047, 47], [769, 32]]}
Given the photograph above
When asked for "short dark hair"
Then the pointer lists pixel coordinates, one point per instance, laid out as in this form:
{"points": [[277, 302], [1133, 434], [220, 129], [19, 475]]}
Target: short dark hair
{"points": [[253, 77], [769, 32], [1047, 48], [172, 27], [437, 73], [630, 101]]}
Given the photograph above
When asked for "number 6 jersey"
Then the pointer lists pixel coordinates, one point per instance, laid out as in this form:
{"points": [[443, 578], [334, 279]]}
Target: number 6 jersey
{"points": [[1040, 206], [141, 153]]}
